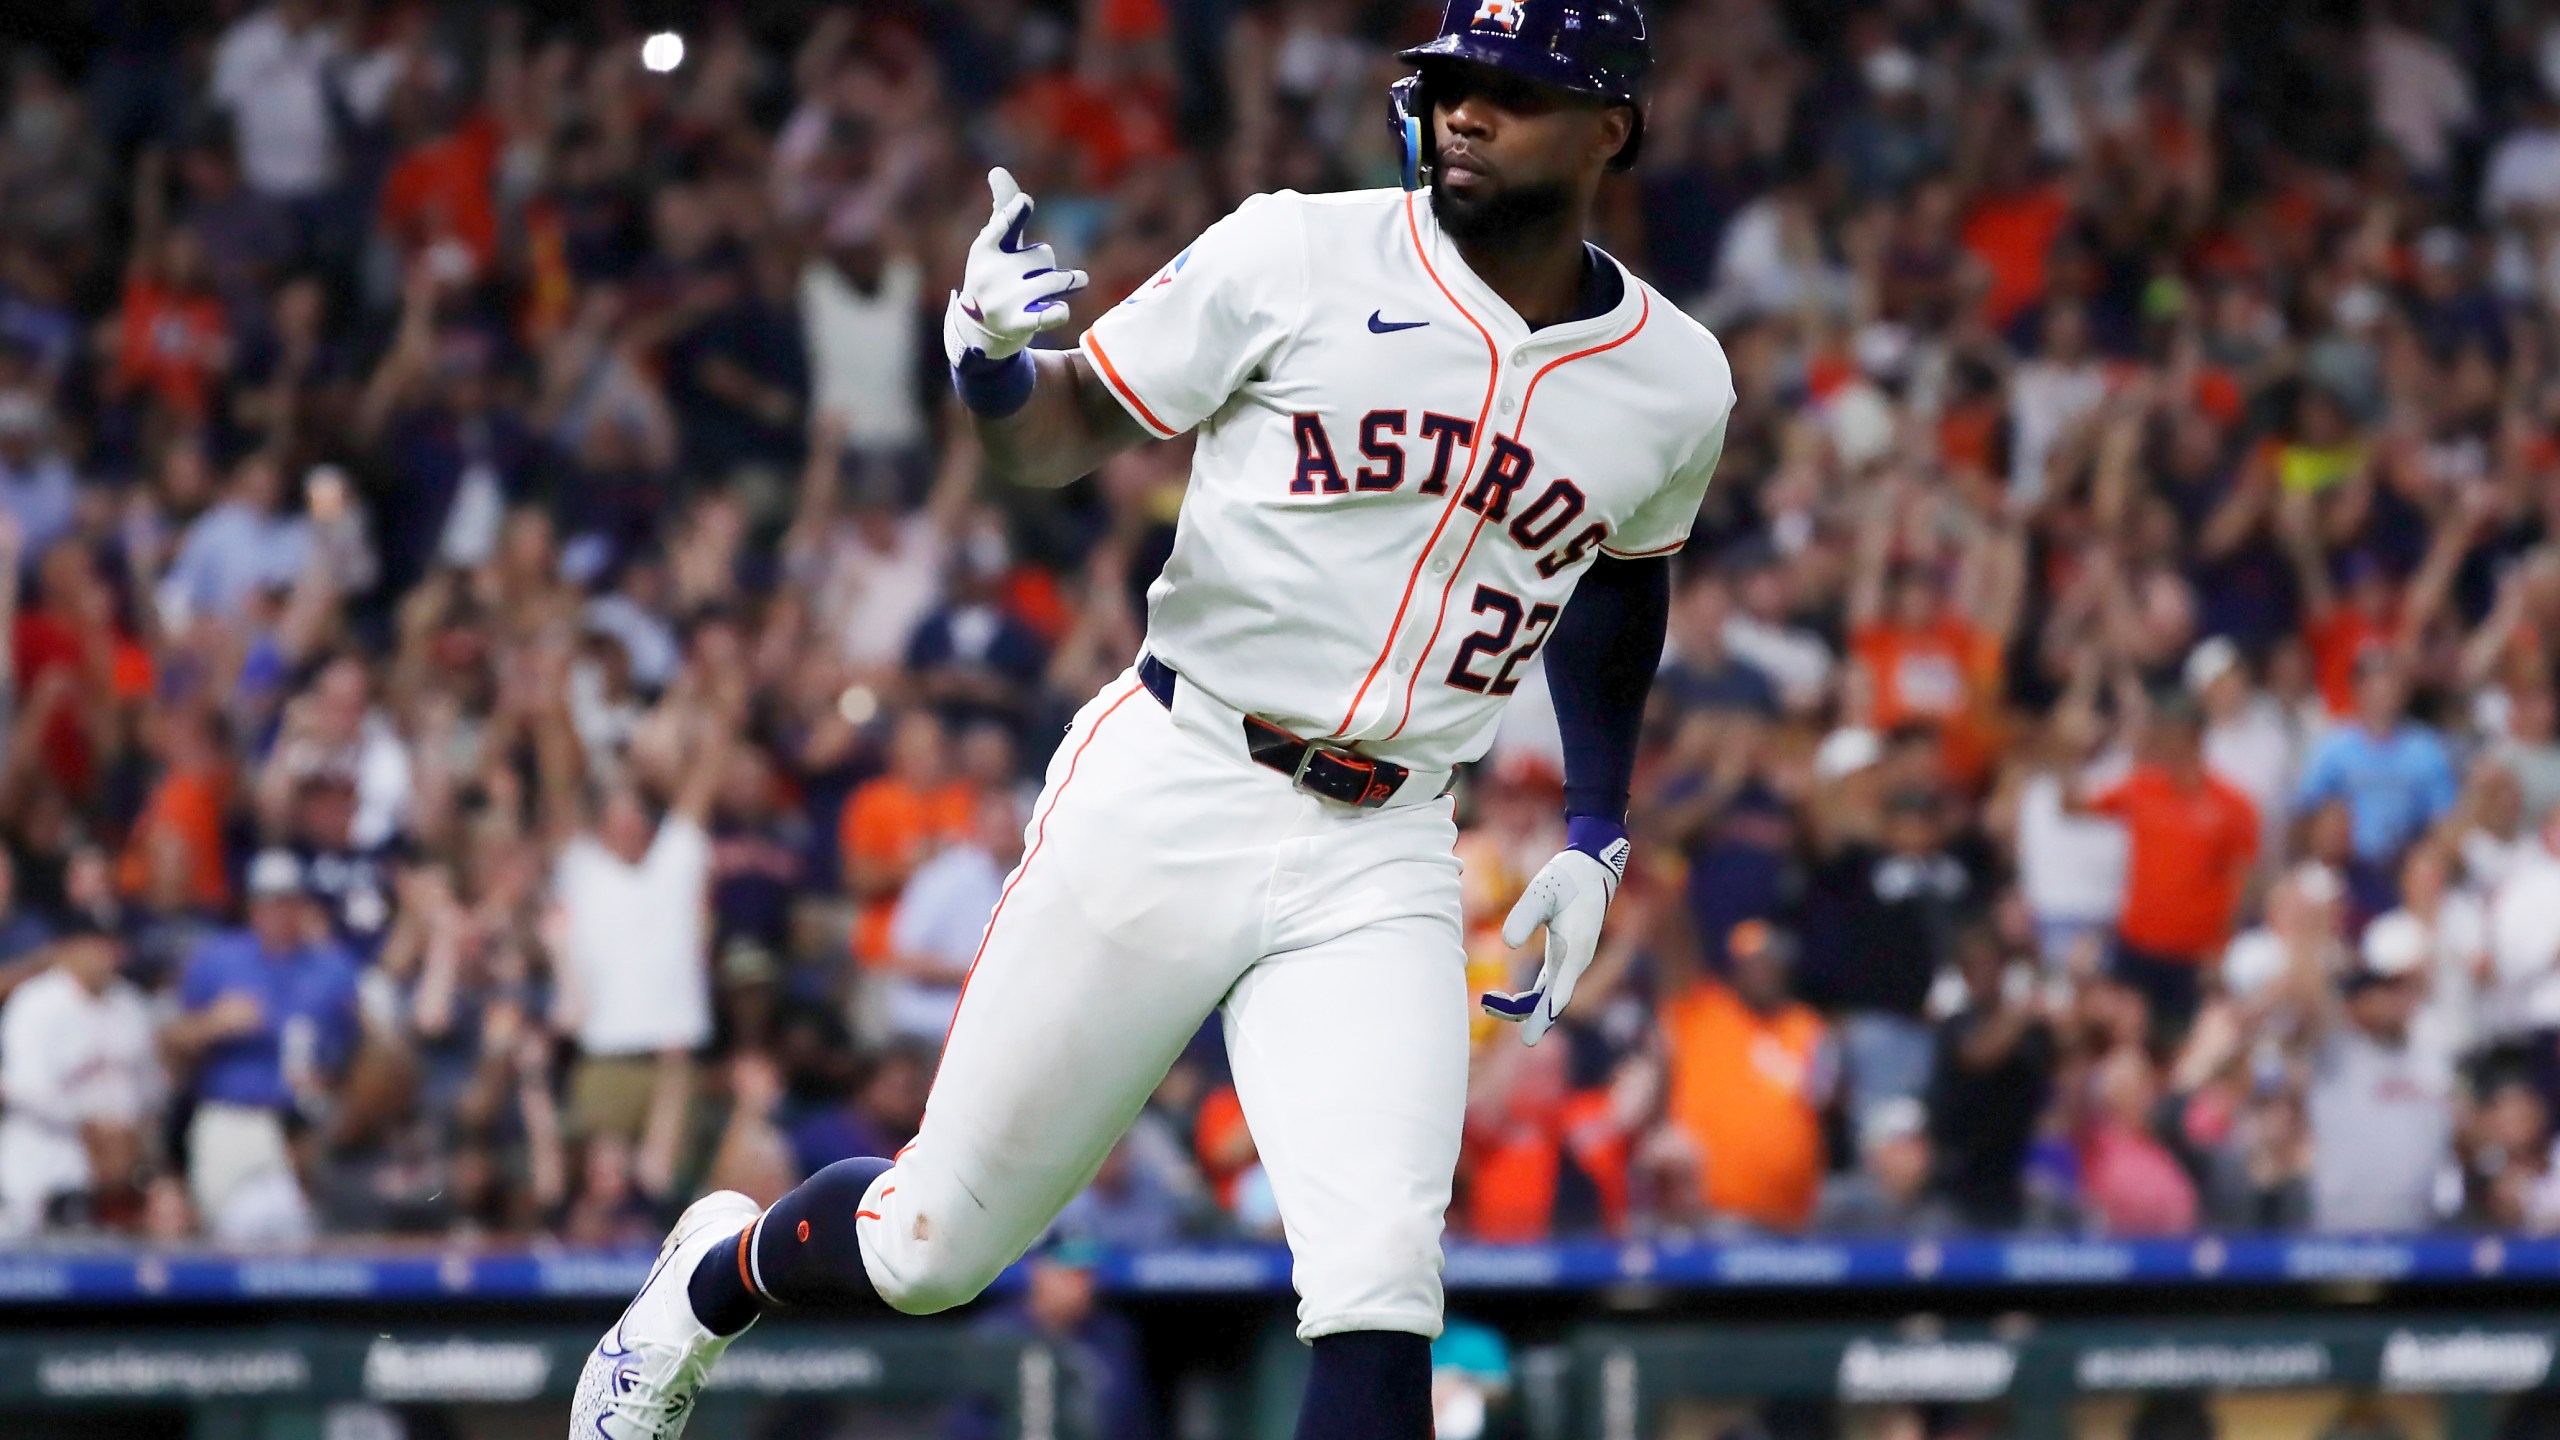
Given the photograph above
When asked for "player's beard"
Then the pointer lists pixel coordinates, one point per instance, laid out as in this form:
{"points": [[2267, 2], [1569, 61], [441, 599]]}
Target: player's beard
{"points": [[1507, 215]]}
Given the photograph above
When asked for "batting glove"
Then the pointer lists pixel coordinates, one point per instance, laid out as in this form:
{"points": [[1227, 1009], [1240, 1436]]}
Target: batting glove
{"points": [[1013, 290], [1570, 897]]}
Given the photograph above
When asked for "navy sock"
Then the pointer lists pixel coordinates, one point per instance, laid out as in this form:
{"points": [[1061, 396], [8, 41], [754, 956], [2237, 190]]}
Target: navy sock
{"points": [[1368, 1385], [802, 1252], [722, 1300]]}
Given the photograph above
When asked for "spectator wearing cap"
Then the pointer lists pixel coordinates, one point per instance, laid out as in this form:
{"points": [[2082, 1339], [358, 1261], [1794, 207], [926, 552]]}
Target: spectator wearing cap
{"points": [[2381, 1106], [1750, 1071], [2191, 840], [350, 883], [79, 1080], [269, 1018], [2393, 774], [1879, 918]]}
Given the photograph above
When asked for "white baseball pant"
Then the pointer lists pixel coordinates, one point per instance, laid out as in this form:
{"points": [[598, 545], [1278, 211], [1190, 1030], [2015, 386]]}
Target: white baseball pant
{"points": [[1165, 875]]}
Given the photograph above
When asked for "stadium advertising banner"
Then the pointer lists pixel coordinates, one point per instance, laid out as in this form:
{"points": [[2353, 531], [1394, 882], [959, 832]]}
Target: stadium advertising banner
{"points": [[1244, 1269]]}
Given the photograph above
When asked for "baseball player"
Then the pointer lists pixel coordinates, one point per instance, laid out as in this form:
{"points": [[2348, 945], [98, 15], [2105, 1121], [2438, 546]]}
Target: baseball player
{"points": [[1427, 420]]}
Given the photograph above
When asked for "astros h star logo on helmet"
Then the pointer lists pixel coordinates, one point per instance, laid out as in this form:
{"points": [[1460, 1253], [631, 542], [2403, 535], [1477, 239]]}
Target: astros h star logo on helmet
{"points": [[1504, 14]]}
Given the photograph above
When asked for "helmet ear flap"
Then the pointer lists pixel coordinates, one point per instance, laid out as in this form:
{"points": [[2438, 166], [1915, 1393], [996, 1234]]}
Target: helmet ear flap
{"points": [[1409, 114]]}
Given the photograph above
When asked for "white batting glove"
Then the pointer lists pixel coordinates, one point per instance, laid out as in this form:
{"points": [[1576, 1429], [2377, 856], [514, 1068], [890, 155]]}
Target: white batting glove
{"points": [[1570, 897], [1013, 290]]}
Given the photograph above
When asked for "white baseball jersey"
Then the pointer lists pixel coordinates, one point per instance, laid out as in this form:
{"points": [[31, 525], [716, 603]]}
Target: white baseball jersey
{"points": [[1396, 486], [1397, 481]]}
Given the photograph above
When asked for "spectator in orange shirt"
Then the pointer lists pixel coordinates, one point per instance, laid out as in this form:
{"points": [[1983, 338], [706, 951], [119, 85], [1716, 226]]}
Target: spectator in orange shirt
{"points": [[439, 194], [1542, 1158], [2012, 227], [1927, 649], [184, 811], [170, 338], [2191, 840], [895, 822], [1751, 1071]]}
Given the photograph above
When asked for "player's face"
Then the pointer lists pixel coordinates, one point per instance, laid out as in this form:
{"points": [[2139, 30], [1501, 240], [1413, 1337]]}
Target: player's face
{"points": [[1514, 155]]}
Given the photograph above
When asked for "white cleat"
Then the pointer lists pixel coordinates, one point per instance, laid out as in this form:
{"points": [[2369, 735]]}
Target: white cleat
{"points": [[640, 1382]]}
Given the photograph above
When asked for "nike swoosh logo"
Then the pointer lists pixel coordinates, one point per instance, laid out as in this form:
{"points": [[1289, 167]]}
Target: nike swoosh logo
{"points": [[969, 308], [1389, 327]]}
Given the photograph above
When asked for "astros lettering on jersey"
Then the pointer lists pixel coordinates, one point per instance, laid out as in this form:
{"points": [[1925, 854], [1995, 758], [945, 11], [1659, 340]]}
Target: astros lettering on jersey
{"points": [[1397, 481]]}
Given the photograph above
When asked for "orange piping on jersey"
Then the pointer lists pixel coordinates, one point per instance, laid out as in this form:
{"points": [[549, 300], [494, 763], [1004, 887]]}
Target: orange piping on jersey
{"points": [[1039, 833], [866, 1214], [1531, 394], [1671, 549], [746, 1276], [1111, 372], [1475, 442]]}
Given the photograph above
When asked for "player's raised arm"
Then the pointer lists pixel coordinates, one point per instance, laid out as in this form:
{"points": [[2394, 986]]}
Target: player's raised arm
{"points": [[1043, 416]]}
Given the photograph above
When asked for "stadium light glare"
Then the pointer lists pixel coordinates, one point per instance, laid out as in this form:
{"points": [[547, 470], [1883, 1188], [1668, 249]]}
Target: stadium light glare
{"points": [[662, 52]]}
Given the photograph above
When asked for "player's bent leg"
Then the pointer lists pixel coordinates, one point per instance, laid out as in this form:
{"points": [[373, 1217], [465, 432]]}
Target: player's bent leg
{"points": [[1138, 902], [803, 1251], [1116, 935], [1350, 1058]]}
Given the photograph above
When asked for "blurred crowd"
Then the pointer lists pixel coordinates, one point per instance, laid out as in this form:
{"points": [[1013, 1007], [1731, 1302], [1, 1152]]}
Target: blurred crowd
{"points": [[520, 704]]}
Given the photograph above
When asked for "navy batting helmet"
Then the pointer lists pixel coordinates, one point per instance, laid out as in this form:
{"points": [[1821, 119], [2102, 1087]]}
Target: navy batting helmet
{"points": [[1591, 47]]}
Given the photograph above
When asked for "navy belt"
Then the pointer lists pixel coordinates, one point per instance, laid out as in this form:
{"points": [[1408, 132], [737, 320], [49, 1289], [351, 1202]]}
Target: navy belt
{"points": [[1318, 769]]}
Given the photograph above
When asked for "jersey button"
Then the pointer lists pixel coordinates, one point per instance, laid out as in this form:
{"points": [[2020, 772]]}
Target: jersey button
{"points": [[1404, 667], [1440, 566], [1509, 405]]}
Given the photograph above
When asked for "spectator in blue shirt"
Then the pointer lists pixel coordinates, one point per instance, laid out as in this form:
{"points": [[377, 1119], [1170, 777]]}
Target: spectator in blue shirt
{"points": [[2392, 772], [269, 1018], [37, 488], [238, 547]]}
